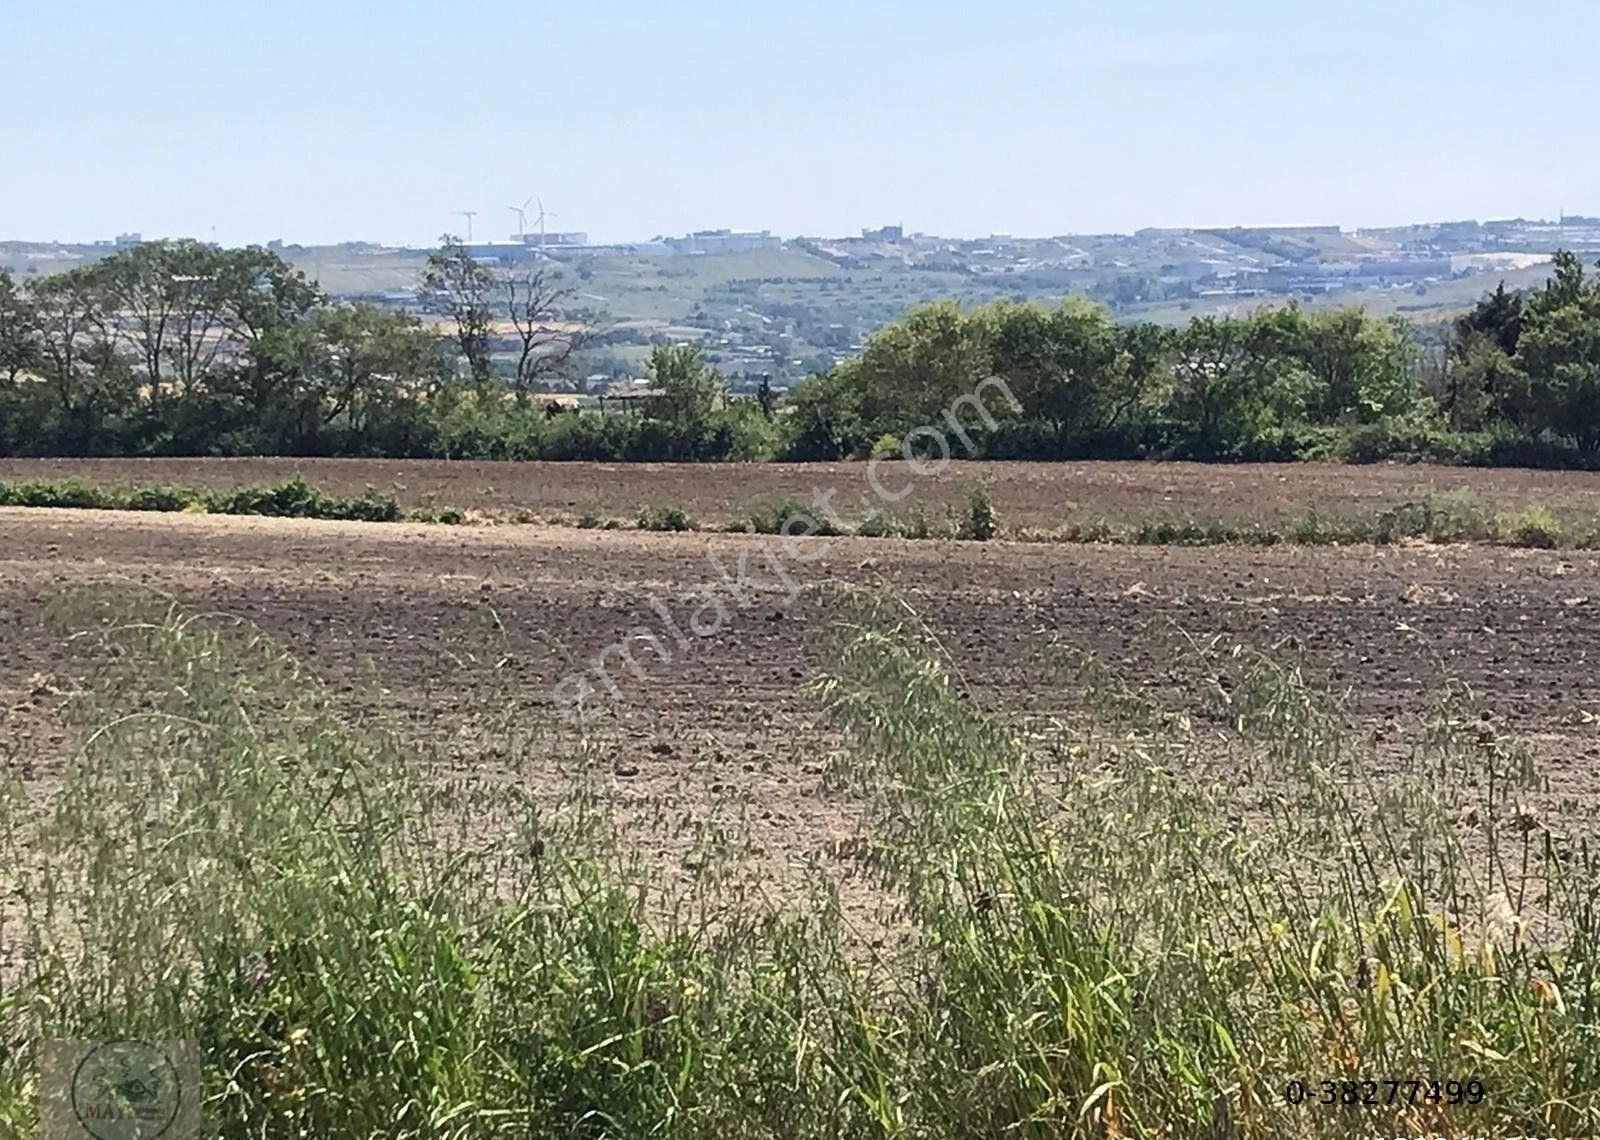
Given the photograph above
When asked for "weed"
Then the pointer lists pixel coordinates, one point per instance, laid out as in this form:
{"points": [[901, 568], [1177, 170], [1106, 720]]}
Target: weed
{"points": [[665, 518], [293, 499], [298, 499], [446, 516], [162, 499], [878, 524], [917, 525], [1096, 947], [886, 446], [982, 523], [1535, 527], [1097, 529], [792, 517], [64, 493]]}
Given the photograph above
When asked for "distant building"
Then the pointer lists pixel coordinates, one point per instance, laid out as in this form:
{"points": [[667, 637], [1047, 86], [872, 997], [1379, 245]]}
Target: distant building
{"points": [[617, 249], [725, 241], [504, 252], [1273, 231], [1405, 267], [128, 241], [885, 233], [553, 237]]}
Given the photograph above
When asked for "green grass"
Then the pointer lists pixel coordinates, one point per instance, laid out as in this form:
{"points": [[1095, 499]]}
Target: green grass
{"points": [[983, 521], [790, 517], [1100, 941], [1439, 519], [664, 517], [291, 499]]}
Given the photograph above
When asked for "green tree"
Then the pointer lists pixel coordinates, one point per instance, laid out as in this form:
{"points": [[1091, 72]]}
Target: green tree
{"points": [[1359, 368], [1144, 377], [363, 366], [1497, 317], [463, 289], [765, 400], [1559, 353], [19, 356], [822, 419], [19, 331], [87, 380], [1061, 363], [1228, 382], [267, 307], [1482, 384], [912, 370], [687, 390]]}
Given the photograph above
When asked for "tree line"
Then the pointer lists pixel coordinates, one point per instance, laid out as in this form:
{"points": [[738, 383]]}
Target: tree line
{"points": [[180, 348], [1515, 380]]}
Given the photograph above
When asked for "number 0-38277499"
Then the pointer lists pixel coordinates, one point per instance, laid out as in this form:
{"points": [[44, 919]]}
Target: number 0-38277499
{"points": [[1380, 1093]]}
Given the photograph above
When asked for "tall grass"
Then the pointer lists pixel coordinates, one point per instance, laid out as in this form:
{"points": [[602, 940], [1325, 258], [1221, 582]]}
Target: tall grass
{"points": [[1099, 939], [293, 498]]}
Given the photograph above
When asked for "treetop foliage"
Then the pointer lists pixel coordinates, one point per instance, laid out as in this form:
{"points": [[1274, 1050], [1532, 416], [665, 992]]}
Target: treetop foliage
{"points": [[180, 348]]}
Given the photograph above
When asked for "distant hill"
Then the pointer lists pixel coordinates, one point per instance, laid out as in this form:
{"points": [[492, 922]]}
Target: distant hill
{"points": [[786, 311]]}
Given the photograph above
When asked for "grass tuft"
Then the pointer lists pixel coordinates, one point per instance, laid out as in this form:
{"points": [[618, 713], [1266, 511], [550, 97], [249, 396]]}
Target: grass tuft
{"points": [[1100, 940], [665, 518]]}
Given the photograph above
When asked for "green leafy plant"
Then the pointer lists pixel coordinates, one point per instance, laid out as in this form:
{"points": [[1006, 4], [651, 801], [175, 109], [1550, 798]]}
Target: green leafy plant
{"points": [[1534, 527], [982, 523], [1094, 943], [665, 518], [790, 516]]}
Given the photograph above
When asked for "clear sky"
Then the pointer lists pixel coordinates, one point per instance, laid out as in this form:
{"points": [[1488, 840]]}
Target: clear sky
{"points": [[330, 121]]}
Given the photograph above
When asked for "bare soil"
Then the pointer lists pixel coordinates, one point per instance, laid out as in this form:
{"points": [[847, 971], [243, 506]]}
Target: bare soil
{"points": [[452, 633], [456, 637], [1034, 495]]}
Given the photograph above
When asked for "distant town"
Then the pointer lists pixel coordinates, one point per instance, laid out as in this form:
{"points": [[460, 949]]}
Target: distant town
{"points": [[765, 306]]}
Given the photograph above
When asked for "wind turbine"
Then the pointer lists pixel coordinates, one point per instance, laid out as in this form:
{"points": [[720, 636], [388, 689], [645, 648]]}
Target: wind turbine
{"points": [[469, 215], [542, 216], [522, 220]]}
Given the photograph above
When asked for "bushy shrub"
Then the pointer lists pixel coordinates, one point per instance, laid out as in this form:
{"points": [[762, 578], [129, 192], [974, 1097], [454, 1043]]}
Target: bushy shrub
{"points": [[982, 523], [445, 516], [878, 524], [64, 493], [665, 518], [598, 438], [163, 499], [1419, 438], [918, 525], [790, 516], [887, 446], [1535, 527], [298, 499], [741, 433]]}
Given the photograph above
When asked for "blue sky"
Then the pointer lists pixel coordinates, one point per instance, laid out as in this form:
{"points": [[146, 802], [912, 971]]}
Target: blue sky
{"points": [[330, 121]]}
